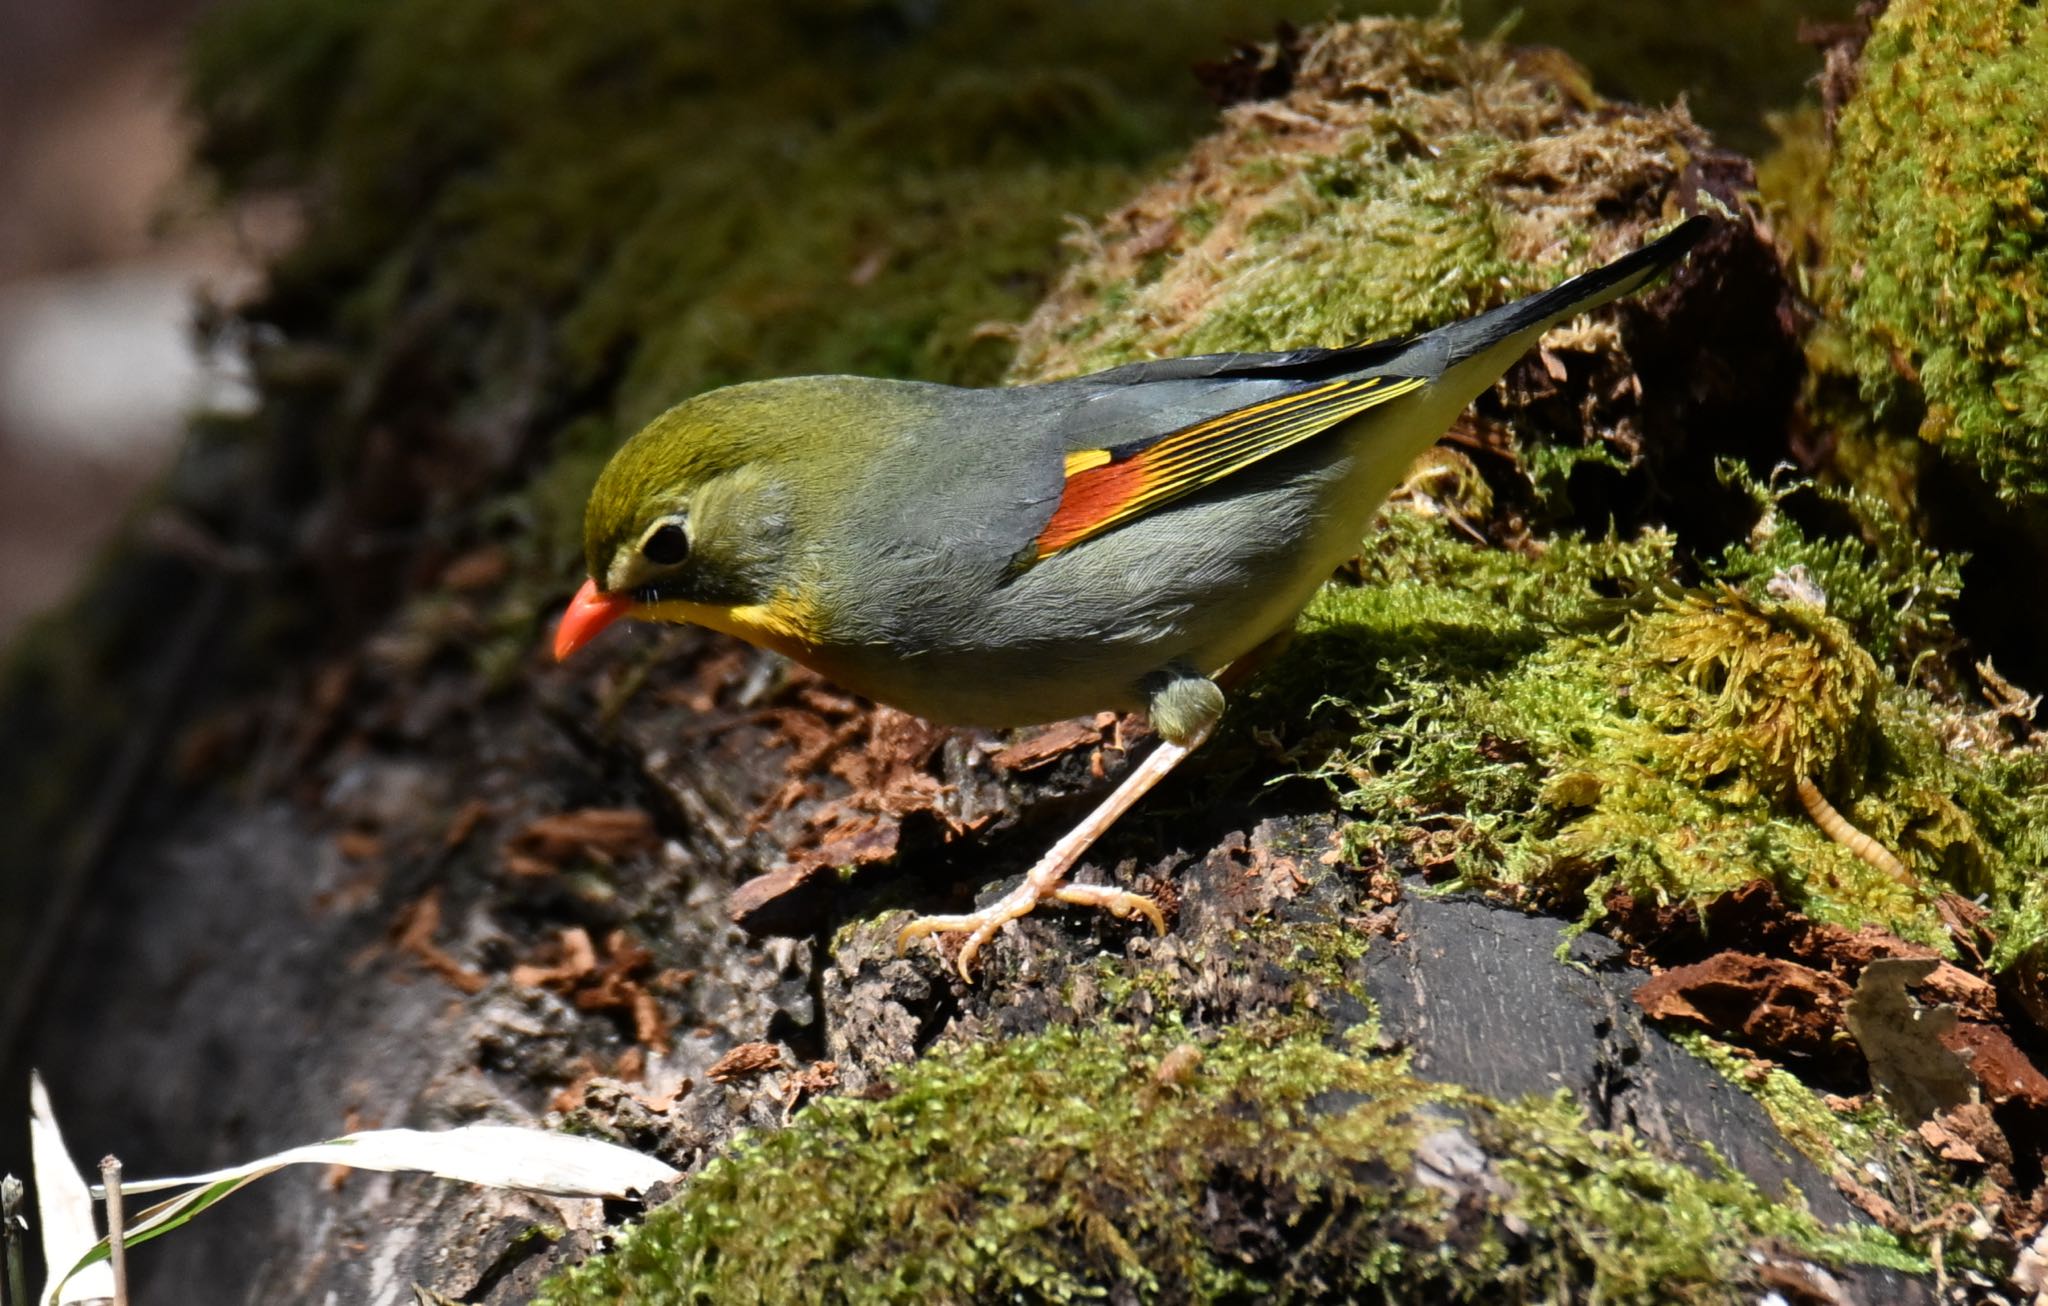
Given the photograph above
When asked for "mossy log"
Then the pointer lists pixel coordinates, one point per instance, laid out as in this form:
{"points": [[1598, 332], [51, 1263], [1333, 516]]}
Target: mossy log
{"points": [[357, 854]]}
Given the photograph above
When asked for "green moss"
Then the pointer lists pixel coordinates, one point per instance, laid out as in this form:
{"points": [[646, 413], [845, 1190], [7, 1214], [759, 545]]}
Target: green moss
{"points": [[1863, 1143], [1330, 216], [1887, 587], [1571, 723], [1838, 1142], [1747, 696], [1731, 63], [1793, 181], [518, 211], [867, 204], [1065, 1166], [1650, 1230], [1937, 261]]}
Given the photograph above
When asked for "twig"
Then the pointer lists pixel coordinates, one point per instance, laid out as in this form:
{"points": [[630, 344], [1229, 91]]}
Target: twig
{"points": [[117, 1250], [1836, 827], [14, 1233]]}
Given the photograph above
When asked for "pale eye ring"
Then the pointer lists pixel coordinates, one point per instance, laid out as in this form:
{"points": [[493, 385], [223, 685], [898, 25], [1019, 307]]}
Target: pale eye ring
{"points": [[666, 545]]}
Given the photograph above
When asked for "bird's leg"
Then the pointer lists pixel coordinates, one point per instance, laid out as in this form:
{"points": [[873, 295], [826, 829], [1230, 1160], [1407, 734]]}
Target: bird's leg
{"points": [[1184, 708]]}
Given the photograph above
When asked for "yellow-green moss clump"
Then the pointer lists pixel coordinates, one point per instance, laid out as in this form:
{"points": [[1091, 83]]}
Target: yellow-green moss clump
{"points": [[1937, 261], [1405, 179], [1570, 724], [1749, 697], [1074, 1165]]}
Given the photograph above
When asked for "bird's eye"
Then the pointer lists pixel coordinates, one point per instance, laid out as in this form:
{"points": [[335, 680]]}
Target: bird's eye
{"points": [[666, 545]]}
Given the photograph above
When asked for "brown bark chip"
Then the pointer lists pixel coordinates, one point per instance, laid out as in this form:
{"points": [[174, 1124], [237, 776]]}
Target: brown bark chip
{"points": [[780, 902], [1969, 1135], [600, 834], [818, 1078], [479, 569], [1765, 1002], [746, 1059], [615, 980], [414, 933], [464, 823], [2003, 1072], [1047, 745]]}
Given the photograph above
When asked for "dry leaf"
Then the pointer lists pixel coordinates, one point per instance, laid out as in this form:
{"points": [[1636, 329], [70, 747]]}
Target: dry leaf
{"points": [[1913, 1069]]}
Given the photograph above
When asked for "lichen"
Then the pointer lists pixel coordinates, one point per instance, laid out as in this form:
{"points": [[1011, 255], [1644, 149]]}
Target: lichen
{"points": [[1065, 1166], [1937, 256]]}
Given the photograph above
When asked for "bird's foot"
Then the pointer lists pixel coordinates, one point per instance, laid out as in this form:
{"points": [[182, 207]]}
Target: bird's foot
{"points": [[981, 926], [1047, 880]]}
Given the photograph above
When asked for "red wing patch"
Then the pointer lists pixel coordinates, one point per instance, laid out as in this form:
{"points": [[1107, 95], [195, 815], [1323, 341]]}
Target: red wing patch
{"points": [[1105, 489], [1091, 501]]}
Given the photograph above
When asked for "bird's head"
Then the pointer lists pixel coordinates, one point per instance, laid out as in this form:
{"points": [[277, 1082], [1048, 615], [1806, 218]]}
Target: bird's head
{"points": [[692, 520]]}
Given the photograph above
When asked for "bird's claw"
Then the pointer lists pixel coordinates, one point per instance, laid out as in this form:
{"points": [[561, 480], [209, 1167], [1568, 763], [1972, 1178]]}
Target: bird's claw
{"points": [[981, 926], [1120, 903]]}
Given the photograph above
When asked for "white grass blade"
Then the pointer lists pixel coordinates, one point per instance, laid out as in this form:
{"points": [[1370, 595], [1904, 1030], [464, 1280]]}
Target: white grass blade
{"points": [[63, 1205], [493, 1156]]}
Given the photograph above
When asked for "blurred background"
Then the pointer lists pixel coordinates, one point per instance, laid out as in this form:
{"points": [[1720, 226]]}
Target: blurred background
{"points": [[106, 248]]}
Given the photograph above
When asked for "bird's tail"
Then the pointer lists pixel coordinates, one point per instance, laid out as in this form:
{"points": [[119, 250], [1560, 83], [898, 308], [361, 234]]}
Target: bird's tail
{"points": [[1539, 312]]}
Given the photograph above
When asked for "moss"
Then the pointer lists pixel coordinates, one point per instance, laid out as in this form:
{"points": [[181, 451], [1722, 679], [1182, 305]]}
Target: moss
{"points": [[1891, 590], [1793, 180], [1574, 723], [1838, 1142], [894, 184], [1407, 177], [1061, 1167], [1861, 1143], [1937, 260], [1731, 64], [516, 215], [1749, 696]]}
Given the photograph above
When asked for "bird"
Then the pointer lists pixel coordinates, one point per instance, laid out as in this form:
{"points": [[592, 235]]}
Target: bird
{"points": [[1140, 538]]}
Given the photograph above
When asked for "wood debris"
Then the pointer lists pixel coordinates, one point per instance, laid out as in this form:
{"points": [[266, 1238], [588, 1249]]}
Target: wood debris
{"points": [[1046, 745], [414, 932], [612, 979], [1762, 1001], [745, 1060], [464, 823], [479, 569], [814, 1080], [606, 835]]}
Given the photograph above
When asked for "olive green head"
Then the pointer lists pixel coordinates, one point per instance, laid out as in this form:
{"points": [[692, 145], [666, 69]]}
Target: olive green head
{"points": [[697, 507]]}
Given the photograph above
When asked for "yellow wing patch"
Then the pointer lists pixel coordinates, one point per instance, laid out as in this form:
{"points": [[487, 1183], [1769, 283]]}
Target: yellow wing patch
{"points": [[1106, 488]]}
